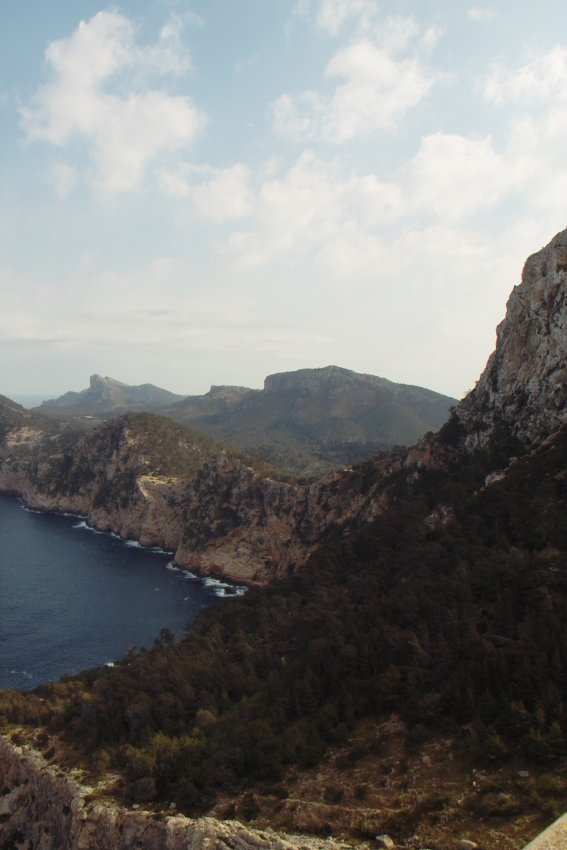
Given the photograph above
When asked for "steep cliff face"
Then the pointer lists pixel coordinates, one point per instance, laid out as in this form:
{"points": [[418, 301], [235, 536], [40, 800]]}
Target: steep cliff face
{"points": [[147, 478], [161, 484], [254, 529], [523, 390]]}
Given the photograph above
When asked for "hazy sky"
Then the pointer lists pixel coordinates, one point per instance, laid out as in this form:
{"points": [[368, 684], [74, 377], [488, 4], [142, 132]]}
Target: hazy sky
{"points": [[211, 191]]}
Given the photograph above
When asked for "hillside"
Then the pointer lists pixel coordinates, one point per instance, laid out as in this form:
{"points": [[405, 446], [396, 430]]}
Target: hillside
{"points": [[405, 673], [106, 397], [315, 420], [307, 422], [145, 477]]}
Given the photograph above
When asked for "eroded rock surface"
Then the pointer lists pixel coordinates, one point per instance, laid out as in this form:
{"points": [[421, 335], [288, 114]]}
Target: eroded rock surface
{"points": [[41, 808], [523, 388]]}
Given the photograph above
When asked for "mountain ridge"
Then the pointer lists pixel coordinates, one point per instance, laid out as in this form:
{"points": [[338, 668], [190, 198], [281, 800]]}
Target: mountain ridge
{"points": [[308, 422], [105, 395], [407, 595]]}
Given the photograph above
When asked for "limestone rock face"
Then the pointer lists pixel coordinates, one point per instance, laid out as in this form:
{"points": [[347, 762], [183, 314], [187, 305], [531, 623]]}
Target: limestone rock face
{"points": [[523, 388], [249, 528], [44, 808], [146, 478], [217, 514]]}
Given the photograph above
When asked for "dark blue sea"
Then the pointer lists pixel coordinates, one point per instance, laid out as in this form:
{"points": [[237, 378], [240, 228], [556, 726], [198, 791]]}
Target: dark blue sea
{"points": [[72, 598]]}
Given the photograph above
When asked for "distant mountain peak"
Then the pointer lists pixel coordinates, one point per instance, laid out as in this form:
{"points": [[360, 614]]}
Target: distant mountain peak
{"points": [[323, 376], [98, 380], [106, 395]]}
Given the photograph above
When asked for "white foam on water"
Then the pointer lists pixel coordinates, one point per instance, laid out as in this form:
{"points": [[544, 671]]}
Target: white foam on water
{"points": [[216, 585], [183, 573], [84, 526], [25, 508], [135, 544], [23, 673], [222, 588]]}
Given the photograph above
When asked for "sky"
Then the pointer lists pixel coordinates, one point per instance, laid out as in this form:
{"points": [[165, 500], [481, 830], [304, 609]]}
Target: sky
{"points": [[208, 192]]}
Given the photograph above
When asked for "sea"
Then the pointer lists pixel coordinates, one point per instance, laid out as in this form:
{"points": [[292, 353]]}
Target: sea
{"points": [[73, 598]]}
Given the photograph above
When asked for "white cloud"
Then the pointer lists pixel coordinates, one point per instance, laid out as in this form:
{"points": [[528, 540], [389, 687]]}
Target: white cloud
{"points": [[217, 194], [63, 177], [396, 33], [453, 177], [432, 36], [319, 212], [169, 55], [542, 79], [332, 15], [378, 89], [543, 178], [124, 132], [481, 14], [226, 196]]}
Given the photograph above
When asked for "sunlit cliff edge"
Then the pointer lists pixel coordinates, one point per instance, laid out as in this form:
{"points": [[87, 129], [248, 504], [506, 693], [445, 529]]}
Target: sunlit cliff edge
{"points": [[162, 484]]}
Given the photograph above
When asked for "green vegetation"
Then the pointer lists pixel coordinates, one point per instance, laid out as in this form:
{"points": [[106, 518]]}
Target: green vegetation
{"points": [[305, 423], [455, 626], [313, 421]]}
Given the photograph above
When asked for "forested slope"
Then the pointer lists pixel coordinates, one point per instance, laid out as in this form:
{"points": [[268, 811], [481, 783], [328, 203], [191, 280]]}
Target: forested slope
{"points": [[438, 605]]}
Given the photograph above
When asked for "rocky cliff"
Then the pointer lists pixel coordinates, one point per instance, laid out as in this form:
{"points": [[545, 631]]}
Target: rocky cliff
{"points": [[522, 392], [146, 478], [376, 608], [41, 807]]}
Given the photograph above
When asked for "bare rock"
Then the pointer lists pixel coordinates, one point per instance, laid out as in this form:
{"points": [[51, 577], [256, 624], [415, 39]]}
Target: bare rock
{"points": [[523, 389], [42, 807]]}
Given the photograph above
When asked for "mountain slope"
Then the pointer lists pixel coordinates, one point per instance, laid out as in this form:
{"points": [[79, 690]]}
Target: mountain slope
{"points": [[145, 477], [314, 420], [433, 601], [106, 397], [306, 422]]}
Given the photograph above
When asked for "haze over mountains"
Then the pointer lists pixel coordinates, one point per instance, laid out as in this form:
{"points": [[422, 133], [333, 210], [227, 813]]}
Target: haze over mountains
{"points": [[106, 397], [399, 667], [306, 422]]}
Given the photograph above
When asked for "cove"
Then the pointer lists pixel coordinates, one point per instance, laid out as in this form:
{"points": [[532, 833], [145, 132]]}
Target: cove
{"points": [[72, 598]]}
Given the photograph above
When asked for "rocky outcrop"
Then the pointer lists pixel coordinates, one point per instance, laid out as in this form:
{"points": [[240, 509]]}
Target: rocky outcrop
{"points": [[523, 389], [105, 395], [43, 808], [254, 529], [146, 478], [221, 517]]}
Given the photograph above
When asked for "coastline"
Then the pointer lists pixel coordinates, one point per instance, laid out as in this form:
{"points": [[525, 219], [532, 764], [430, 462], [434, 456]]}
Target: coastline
{"points": [[219, 578]]}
